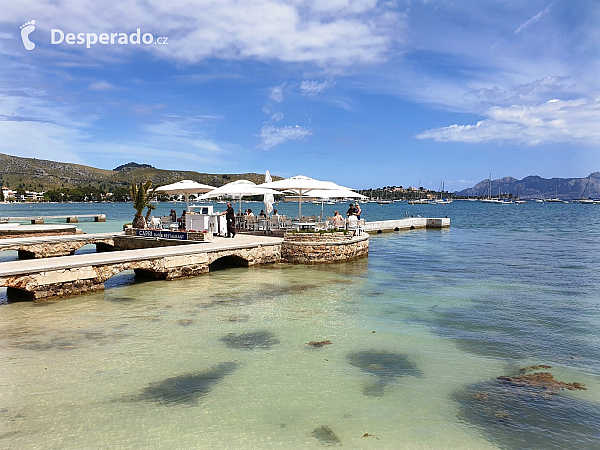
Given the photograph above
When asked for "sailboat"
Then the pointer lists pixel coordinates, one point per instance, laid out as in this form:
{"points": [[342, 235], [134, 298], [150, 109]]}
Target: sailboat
{"points": [[589, 200], [489, 198], [441, 200]]}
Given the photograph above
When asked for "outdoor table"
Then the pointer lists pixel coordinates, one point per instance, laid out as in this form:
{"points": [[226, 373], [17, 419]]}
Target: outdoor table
{"points": [[305, 226]]}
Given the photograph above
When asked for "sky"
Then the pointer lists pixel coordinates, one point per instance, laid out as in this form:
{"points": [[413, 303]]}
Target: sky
{"points": [[365, 93]]}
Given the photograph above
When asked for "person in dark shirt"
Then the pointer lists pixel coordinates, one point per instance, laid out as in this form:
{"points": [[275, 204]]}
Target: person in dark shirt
{"points": [[229, 214]]}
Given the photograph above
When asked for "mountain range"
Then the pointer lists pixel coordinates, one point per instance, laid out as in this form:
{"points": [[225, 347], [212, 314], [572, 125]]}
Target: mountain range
{"points": [[41, 175], [537, 187]]}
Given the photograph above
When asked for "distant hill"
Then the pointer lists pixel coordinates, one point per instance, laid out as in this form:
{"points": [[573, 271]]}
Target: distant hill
{"points": [[538, 187], [133, 165], [41, 175]]}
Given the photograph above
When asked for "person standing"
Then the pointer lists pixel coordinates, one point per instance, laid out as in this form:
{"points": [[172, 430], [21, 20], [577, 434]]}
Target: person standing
{"points": [[229, 214], [351, 210], [357, 211]]}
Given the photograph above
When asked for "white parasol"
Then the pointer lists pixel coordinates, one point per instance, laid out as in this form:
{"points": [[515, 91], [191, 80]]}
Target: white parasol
{"points": [[302, 185], [185, 187], [268, 199], [238, 189], [334, 193]]}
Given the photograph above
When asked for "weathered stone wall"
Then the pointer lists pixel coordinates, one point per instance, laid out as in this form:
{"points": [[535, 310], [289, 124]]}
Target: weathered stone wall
{"points": [[52, 249], [13, 233], [321, 251], [337, 236], [79, 280], [137, 242]]}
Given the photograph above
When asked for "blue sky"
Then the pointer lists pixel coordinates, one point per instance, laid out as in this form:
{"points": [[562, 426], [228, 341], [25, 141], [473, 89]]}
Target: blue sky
{"points": [[365, 93]]}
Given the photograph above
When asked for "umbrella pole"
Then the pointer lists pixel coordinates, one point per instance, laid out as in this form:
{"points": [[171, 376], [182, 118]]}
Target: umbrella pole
{"points": [[300, 205]]}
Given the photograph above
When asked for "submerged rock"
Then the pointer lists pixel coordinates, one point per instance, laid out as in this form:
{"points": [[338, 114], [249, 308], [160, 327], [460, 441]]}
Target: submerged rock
{"points": [[540, 380], [326, 436], [255, 339], [527, 411], [187, 388], [386, 366], [319, 344]]}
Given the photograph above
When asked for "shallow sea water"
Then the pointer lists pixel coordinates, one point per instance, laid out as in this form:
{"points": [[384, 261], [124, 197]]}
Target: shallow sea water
{"points": [[419, 332]]}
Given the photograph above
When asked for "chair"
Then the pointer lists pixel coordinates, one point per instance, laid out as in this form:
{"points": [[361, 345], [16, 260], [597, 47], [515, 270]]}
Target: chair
{"points": [[361, 226], [352, 225], [165, 221], [252, 223], [320, 226]]}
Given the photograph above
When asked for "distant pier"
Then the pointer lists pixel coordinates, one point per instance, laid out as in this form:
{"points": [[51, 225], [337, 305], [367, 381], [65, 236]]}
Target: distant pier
{"points": [[408, 223], [71, 218]]}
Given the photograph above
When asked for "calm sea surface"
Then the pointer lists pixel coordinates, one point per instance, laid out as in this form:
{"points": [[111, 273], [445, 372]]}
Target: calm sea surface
{"points": [[420, 330]]}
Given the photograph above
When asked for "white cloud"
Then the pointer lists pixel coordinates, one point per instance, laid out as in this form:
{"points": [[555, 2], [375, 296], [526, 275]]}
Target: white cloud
{"points": [[276, 93], [277, 117], [311, 88], [271, 135], [344, 34], [103, 86], [556, 121], [533, 20]]}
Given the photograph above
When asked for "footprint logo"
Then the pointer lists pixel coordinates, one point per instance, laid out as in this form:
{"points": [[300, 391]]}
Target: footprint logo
{"points": [[26, 30]]}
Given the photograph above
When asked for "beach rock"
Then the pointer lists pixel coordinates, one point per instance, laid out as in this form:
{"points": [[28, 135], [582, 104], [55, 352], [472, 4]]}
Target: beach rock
{"points": [[527, 411], [541, 380]]}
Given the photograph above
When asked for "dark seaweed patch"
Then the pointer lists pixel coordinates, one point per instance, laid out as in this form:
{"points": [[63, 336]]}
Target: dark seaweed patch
{"points": [[516, 416], [386, 366], [255, 339], [187, 389], [326, 436]]}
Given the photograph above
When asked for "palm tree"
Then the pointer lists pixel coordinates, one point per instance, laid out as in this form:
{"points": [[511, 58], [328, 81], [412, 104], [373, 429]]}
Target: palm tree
{"points": [[141, 195]]}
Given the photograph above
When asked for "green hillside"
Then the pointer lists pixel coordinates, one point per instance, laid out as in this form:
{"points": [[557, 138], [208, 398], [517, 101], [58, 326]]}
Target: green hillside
{"points": [[41, 175]]}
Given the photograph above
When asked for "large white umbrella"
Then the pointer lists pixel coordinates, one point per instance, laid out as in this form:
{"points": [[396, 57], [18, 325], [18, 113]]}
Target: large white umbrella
{"points": [[334, 193], [268, 199], [238, 189], [302, 185], [185, 187]]}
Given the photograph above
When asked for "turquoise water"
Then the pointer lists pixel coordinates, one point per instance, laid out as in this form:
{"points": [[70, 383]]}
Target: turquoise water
{"points": [[419, 332]]}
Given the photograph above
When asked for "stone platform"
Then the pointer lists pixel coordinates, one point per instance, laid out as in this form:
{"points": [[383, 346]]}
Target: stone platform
{"points": [[70, 275], [12, 230]]}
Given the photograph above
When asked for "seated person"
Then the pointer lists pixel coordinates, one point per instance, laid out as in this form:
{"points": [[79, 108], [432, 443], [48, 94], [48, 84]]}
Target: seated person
{"points": [[250, 213], [338, 220], [351, 211], [262, 213], [275, 214]]}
